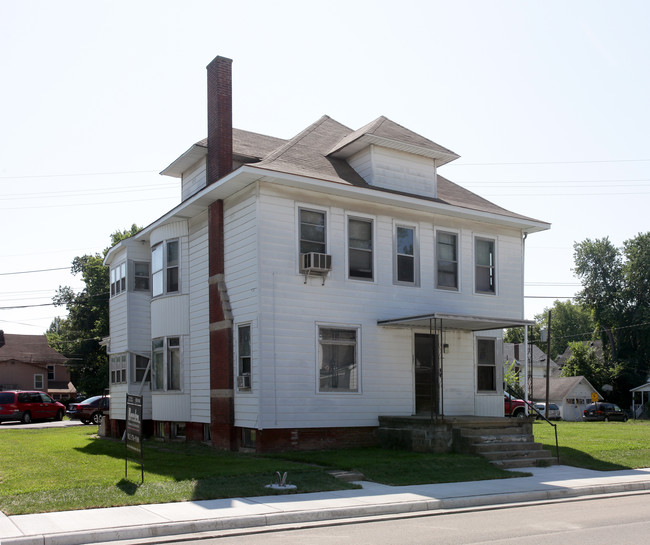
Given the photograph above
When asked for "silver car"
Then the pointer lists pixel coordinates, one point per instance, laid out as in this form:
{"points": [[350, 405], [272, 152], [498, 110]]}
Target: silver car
{"points": [[553, 411]]}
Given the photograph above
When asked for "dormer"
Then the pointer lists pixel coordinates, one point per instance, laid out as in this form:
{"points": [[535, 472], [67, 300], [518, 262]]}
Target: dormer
{"points": [[389, 156]]}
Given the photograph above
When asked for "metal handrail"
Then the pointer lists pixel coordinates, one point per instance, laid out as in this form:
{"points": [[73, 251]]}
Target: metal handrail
{"points": [[531, 406]]}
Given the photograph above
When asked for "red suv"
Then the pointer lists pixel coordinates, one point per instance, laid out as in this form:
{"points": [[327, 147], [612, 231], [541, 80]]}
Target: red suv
{"points": [[27, 406]]}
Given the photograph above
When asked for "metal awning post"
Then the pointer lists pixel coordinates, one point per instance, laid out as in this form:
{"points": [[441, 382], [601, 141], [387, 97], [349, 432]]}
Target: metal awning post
{"points": [[441, 351]]}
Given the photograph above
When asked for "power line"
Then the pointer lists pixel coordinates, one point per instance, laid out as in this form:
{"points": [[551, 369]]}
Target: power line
{"points": [[550, 163], [77, 174], [36, 271]]}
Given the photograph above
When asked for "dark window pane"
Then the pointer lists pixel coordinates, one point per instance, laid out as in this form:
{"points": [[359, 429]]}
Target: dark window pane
{"points": [[405, 269]]}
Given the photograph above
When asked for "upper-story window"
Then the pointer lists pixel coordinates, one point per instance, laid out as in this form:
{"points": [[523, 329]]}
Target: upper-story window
{"points": [[312, 231], [485, 266], [165, 267], [447, 260], [118, 368], [50, 372], [118, 279], [360, 258], [405, 256], [140, 276]]}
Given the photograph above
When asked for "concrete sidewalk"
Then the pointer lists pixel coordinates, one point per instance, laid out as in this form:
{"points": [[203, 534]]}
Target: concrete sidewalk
{"points": [[158, 520]]}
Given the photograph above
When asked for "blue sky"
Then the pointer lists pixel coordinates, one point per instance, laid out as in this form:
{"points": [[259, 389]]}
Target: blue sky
{"points": [[546, 102]]}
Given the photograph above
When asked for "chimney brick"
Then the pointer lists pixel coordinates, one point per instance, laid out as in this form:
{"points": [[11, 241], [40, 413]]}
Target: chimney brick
{"points": [[219, 162]]}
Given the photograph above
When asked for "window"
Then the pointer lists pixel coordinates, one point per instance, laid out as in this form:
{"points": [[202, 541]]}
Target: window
{"points": [[118, 368], [166, 365], [38, 382], [405, 264], [244, 350], [140, 276], [485, 266], [139, 369], [312, 231], [447, 260], [50, 372], [164, 267], [486, 365], [173, 363], [337, 360], [118, 279], [360, 249]]}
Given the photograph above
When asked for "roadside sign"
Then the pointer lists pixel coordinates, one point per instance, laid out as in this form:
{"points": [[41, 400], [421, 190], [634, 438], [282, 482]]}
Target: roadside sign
{"points": [[133, 430], [594, 397]]}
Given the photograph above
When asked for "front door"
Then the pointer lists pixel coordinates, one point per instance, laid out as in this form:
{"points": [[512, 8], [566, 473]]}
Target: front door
{"points": [[426, 374]]}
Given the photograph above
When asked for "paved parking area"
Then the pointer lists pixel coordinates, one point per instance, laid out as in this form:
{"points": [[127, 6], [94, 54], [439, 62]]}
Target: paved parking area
{"points": [[37, 425]]}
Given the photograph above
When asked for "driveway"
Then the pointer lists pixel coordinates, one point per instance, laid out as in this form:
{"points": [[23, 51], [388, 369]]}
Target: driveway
{"points": [[39, 424]]}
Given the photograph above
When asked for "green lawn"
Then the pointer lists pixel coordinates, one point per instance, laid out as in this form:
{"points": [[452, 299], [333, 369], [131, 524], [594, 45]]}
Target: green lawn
{"points": [[71, 468], [603, 446]]}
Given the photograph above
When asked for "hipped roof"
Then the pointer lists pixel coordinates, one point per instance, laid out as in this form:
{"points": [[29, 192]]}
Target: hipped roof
{"points": [[29, 349], [320, 152]]}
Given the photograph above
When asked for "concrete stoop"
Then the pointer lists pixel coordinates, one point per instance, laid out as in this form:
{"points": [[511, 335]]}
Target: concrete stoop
{"points": [[505, 447]]}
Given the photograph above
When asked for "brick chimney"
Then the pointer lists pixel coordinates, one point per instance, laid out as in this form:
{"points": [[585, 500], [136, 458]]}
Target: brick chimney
{"points": [[219, 162]]}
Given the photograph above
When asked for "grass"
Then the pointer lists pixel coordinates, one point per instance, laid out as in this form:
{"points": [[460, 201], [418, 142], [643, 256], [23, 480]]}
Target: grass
{"points": [[603, 446], [59, 469]]}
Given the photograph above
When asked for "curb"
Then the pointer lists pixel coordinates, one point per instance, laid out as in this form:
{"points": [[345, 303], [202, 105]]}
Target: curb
{"points": [[323, 515]]}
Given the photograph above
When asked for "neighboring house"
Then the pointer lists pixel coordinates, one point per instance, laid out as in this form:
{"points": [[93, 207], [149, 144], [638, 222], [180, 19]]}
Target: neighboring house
{"points": [[303, 287], [639, 402], [597, 346], [571, 394], [28, 363], [536, 361]]}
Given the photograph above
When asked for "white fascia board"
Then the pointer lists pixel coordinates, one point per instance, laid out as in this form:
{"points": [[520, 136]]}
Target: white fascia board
{"points": [[185, 161], [397, 199]]}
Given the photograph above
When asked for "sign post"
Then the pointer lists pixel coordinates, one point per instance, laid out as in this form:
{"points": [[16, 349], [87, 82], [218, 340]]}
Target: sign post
{"points": [[133, 431]]}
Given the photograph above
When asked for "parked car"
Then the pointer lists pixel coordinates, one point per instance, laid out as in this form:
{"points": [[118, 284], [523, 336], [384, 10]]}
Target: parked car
{"points": [[604, 412], [513, 406], [89, 410], [553, 411], [26, 406]]}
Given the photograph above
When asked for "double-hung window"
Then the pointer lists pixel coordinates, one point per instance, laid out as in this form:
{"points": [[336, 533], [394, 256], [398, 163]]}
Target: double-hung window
{"points": [[485, 266], [118, 368], [118, 279], [167, 363], [447, 260], [165, 267], [140, 276], [312, 231], [405, 255], [338, 367], [360, 250], [139, 368], [244, 357], [486, 369]]}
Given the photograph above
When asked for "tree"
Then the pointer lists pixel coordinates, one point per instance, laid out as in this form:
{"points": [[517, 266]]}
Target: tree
{"points": [[78, 336], [599, 266], [570, 322]]}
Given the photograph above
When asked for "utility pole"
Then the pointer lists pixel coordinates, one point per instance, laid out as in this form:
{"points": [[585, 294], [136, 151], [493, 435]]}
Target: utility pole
{"points": [[548, 359]]}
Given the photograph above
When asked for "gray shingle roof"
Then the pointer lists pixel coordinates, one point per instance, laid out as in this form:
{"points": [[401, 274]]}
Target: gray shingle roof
{"points": [[559, 387], [29, 349]]}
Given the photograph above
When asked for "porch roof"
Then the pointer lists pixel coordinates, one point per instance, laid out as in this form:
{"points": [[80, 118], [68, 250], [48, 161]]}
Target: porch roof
{"points": [[454, 321]]}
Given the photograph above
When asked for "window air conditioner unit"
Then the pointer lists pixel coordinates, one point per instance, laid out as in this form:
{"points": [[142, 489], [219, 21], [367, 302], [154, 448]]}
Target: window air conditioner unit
{"points": [[314, 262], [244, 382]]}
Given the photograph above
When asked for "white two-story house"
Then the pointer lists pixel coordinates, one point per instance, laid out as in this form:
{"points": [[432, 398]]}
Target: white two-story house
{"points": [[304, 287]]}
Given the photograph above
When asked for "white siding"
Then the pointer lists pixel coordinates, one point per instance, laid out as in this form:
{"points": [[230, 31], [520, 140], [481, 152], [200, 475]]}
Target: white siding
{"points": [[169, 316], [290, 311], [197, 356], [397, 170], [194, 179]]}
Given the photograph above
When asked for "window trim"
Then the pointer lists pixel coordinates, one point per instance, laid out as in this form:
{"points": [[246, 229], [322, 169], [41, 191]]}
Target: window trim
{"points": [[415, 256], [136, 278], [492, 365], [165, 268], [349, 327], [238, 356], [165, 347], [492, 267], [309, 208], [458, 262], [118, 279], [36, 381], [373, 254], [118, 364]]}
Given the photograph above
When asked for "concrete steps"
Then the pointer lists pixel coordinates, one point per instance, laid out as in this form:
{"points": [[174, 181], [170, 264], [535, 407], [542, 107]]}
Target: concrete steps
{"points": [[507, 447]]}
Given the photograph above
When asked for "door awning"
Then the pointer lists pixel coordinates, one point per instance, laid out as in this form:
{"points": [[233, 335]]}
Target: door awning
{"points": [[455, 321]]}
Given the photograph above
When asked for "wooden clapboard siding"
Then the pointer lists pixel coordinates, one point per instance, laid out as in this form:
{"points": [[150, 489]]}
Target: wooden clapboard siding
{"points": [[193, 179]]}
